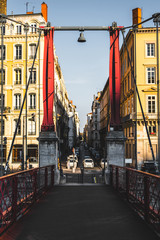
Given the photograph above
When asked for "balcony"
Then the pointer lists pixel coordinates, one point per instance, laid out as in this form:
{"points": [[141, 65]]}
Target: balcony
{"points": [[131, 116], [32, 107], [31, 56], [17, 82], [33, 81], [18, 57], [17, 107], [32, 133]]}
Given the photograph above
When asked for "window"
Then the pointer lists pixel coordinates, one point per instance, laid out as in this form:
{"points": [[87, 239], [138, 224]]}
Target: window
{"points": [[1, 100], [32, 128], [4, 153], [128, 106], [132, 54], [32, 101], [32, 50], [33, 28], [18, 52], [17, 101], [128, 59], [152, 130], [33, 153], [132, 80], [125, 64], [11, 28], [19, 126], [150, 50], [128, 83], [132, 105], [18, 76], [151, 76], [4, 30], [151, 104], [122, 68], [19, 29], [2, 53], [3, 76], [17, 153], [125, 108], [33, 76]]}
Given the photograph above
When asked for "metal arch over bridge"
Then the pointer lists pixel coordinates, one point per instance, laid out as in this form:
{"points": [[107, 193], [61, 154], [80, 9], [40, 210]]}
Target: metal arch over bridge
{"points": [[48, 73]]}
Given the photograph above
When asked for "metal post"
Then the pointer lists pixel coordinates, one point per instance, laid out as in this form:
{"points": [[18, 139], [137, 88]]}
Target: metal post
{"points": [[26, 149], [135, 98], [2, 97], [158, 93]]}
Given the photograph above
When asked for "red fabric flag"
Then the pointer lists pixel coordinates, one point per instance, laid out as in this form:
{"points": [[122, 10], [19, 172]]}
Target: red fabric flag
{"points": [[48, 81], [114, 78]]}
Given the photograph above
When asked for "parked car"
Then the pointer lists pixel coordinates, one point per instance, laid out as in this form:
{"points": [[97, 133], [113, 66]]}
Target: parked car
{"points": [[72, 161], [102, 162], [88, 163]]}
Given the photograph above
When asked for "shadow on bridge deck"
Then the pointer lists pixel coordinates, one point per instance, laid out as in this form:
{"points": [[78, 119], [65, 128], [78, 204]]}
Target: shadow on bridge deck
{"points": [[80, 212]]}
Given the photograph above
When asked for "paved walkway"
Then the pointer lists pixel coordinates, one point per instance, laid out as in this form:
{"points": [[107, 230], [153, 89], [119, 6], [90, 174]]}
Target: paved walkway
{"points": [[80, 213]]}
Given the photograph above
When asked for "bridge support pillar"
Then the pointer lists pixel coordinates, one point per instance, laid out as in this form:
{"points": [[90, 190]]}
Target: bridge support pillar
{"points": [[115, 151], [48, 152], [115, 148]]}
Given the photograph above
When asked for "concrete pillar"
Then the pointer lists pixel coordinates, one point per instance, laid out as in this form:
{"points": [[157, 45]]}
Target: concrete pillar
{"points": [[115, 148], [48, 152], [115, 151]]}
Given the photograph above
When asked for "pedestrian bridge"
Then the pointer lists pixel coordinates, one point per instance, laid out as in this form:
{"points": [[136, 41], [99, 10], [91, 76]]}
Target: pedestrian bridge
{"points": [[33, 208]]}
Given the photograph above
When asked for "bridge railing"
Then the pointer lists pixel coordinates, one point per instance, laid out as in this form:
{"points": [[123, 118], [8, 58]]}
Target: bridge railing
{"points": [[141, 190], [20, 190]]}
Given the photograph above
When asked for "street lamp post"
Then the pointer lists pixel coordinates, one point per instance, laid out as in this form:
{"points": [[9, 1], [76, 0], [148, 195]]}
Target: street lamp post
{"points": [[2, 21], [26, 28]]}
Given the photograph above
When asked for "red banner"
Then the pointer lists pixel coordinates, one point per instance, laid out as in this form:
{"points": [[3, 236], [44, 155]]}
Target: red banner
{"points": [[114, 78], [48, 81]]}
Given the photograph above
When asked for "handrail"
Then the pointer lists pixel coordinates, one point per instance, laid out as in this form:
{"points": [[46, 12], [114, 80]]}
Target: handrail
{"points": [[141, 190], [18, 192]]}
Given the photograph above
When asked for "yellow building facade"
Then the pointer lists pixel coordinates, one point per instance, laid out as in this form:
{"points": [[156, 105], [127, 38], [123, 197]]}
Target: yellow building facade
{"points": [[15, 58], [141, 45]]}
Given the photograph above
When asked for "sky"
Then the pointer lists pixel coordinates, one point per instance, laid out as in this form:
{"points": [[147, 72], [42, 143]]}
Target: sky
{"points": [[85, 66]]}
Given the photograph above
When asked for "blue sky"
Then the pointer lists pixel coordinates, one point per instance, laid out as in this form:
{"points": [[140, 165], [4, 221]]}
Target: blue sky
{"points": [[85, 66]]}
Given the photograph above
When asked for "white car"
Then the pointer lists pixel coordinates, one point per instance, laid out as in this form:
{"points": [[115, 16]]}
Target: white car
{"points": [[102, 163], [88, 163], [72, 161]]}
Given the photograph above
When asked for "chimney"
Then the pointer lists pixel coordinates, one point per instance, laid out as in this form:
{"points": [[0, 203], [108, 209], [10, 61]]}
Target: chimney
{"points": [[137, 16], [29, 12], [44, 11], [3, 7]]}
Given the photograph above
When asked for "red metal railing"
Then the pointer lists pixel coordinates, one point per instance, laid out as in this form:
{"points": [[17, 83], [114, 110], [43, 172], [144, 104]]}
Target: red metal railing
{"points": [[20, 190], [142, 191]]}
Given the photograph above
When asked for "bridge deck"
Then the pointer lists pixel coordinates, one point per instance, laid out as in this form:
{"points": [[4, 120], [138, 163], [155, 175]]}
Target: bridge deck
{"points": [[80, 212]]}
